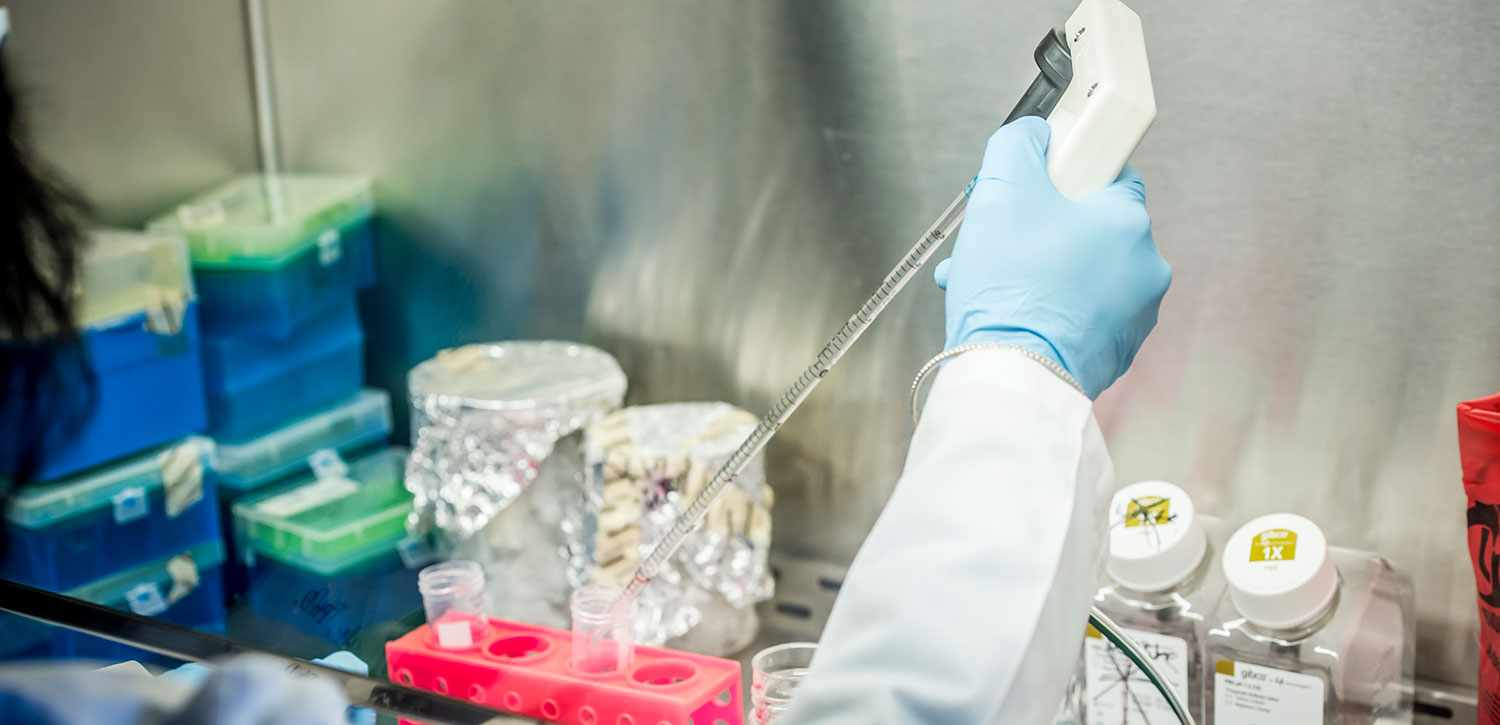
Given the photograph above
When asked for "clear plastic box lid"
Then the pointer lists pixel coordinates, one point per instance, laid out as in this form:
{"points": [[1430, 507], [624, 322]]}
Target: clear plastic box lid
{"points": [[122, 485], [359, 421], [116, 587], [263, 221], [329, 524], [519, 375], [126, 273]]}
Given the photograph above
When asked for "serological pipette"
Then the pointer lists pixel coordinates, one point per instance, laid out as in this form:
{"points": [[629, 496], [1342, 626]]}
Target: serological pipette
{"points": [[1094, 90]]}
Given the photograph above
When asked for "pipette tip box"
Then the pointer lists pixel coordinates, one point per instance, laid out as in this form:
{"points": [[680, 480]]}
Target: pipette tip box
{"points": [[182, 589], [322, 552], [349, 428], [254, 385], [525, 669], [270, 250], [63, 534], [138, 321]]}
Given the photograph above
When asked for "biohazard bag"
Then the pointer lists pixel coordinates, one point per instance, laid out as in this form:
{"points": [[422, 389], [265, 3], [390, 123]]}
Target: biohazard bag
{"points": [[1479, 449]]}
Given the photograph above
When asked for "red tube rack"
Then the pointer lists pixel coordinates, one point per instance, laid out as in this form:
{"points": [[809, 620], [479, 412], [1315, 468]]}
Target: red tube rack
{"points": [[526, 669]]}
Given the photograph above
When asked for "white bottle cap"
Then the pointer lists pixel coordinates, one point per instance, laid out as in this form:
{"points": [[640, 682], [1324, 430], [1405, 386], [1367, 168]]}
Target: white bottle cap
{"points": [[1279, 572], [1155, 538]]}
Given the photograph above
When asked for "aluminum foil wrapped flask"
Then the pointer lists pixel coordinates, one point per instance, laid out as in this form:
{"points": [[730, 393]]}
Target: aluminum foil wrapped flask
{"points": [[645, 464], [486, 417]]}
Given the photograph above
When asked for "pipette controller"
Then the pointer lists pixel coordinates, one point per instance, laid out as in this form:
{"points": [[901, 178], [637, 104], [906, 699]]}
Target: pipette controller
{"points": [[1094, 90]]}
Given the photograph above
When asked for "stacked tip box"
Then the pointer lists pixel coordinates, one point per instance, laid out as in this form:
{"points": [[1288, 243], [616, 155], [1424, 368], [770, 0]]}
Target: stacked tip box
{"points": [[255, 385], [109, 536], [349, 428], [63, 534], [278, 260], [268, 250], [182, 589], [323, 551], [526, 669], [138, 320], [128, 495]]}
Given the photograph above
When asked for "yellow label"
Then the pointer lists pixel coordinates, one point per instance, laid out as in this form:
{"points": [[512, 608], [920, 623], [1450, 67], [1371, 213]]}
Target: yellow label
{"points": [[1093, 633], [1224, 667], [1274, 545], [1154, 509]]}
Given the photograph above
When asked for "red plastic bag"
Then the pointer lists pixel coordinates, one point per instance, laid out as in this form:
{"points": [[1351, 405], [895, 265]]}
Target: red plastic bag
{"points": [[1479, 449]]}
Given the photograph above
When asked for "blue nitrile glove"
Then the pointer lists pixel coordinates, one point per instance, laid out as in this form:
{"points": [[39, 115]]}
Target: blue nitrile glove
{"points": [[350, 662], [1079, 282], [258, 690], [192, 674]]}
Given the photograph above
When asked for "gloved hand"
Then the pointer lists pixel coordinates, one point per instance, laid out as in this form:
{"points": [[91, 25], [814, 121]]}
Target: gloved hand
{"points": [[256, 690], [350, 662], [1079, 282]]}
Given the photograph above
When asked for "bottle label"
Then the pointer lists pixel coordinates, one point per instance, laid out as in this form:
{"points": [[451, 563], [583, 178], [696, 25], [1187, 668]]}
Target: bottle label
{"points": [[1274, 545], [1147, 511], [1118, 692], [1247, 694]]}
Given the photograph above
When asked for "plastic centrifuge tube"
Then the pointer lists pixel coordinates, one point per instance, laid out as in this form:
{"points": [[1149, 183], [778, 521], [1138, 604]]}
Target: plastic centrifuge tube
{"points": [[453, 595], [603, 634], [775, 673]]}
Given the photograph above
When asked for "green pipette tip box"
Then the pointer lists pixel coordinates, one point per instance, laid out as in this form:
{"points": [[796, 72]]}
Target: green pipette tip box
{"points": [[263, 221], [330, 524]]}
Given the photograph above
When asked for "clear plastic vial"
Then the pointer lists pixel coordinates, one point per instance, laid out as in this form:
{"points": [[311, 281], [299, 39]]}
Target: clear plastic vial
{"points": [[603, 637], [453, 596], [775, 673], [1161, 585], [1309, 633]]}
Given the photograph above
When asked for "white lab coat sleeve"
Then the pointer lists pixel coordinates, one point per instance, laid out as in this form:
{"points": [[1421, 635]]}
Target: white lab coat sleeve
{"points": [[969, 599]]}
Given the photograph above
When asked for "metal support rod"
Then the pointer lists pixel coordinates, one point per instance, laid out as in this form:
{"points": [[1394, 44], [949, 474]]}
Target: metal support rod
{"points": [[267, 140]]}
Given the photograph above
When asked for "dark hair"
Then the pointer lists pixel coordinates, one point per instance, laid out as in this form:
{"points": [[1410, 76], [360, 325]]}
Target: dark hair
{"points": [[46, 384]]}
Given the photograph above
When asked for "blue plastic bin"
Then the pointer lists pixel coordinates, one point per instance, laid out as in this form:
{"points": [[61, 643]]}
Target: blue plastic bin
{"points": [[63, 534], [146, 590], [350, 427], [254, 385], [323, 551], [140, 328], [270, 251]]}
